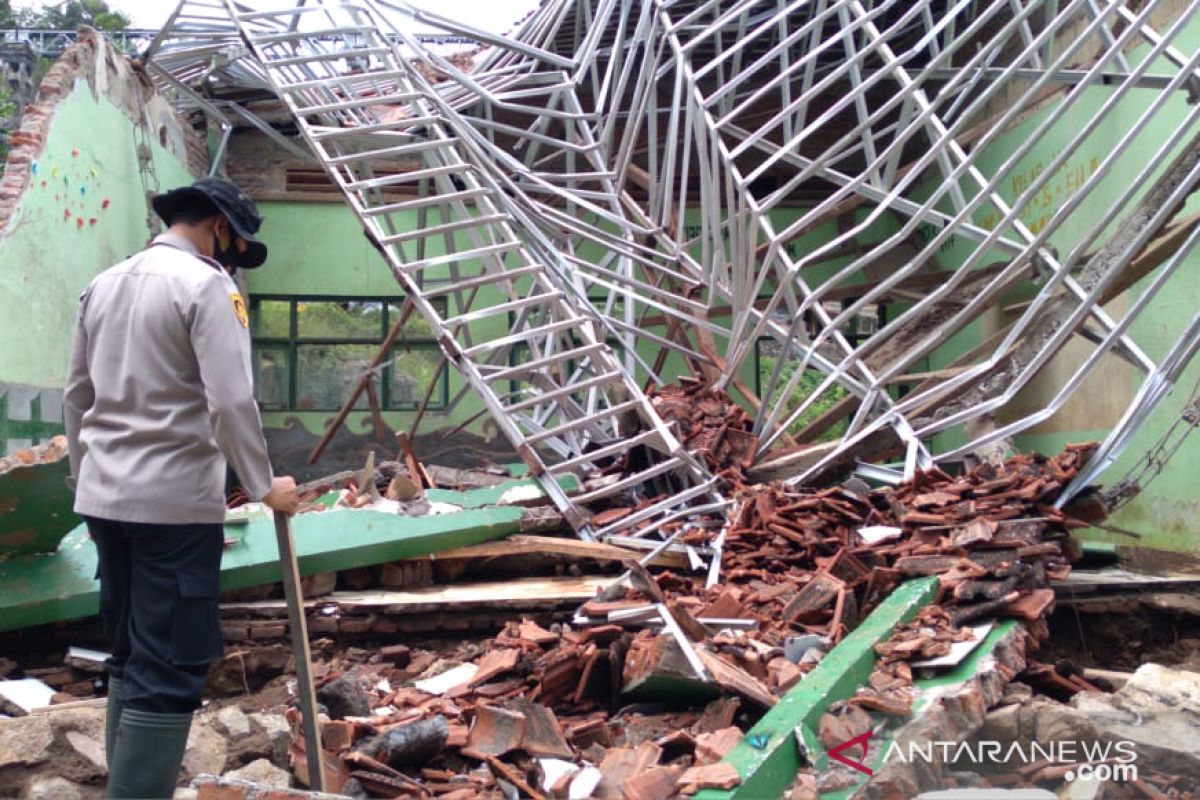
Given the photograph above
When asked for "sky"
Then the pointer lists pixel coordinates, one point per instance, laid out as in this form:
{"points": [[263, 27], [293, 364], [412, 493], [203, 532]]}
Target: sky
{"points": [[496, 16]]}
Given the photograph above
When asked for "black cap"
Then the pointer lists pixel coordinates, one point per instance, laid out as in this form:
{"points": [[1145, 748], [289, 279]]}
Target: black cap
{"points": [[231, 201]]}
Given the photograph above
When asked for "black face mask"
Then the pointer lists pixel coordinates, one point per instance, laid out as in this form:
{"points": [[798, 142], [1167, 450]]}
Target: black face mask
{"points": [[227, 256]]}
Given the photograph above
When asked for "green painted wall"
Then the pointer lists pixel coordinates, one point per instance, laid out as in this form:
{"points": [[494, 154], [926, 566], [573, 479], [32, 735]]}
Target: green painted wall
{"points": [[83, 211], [318, 250], [1166, 511]]}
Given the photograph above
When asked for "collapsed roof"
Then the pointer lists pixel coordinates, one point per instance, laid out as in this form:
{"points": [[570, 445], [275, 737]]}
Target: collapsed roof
{"points": [[684, 178]]}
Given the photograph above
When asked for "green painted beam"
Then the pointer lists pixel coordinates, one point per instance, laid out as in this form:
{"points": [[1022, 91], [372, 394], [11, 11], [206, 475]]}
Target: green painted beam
{"points": [[35, 508], [768, 771], [43, 588]]}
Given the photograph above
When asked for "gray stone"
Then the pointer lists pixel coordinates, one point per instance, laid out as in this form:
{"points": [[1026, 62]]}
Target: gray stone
{"points": [[79, 737], [233, 722], [25, 740], [344, 697], [1017, 692], [88, 721], [206, 751], [272, 724], [1002, 724], [52, 788], [91, 755], [1155, 710], [250, 788], [276, 735], [1089, 788], [263, 773]]}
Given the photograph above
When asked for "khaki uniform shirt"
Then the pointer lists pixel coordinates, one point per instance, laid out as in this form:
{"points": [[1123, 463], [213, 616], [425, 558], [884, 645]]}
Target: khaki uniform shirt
{"points": [[159, 392]]}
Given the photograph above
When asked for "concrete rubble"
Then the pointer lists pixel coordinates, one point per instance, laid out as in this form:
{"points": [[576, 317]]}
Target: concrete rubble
{"points": [[59, 752], [714, 581], [540, 709], [543, 707], [647, 691], [1155, 710]]}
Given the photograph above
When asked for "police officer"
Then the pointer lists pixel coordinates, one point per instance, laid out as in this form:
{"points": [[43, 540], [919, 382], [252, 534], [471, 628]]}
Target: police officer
{"points": [[158, 400]]}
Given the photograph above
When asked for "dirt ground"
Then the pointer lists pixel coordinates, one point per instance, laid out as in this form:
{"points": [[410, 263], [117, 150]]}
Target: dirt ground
{"points": [[1123, 640]]}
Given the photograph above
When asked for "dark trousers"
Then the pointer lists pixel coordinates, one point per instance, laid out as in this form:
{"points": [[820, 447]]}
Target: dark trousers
{"points": [[159, 609]]}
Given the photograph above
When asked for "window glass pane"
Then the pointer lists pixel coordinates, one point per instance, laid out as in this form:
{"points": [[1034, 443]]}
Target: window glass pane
{"points": [[270, 318], [343, 319], [271, 377], [412, 371], [415, 327], [326, 373]]}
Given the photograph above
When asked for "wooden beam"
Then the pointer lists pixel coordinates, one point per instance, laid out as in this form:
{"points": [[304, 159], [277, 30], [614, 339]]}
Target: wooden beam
{"points": [[523, 593], [521, 544]]}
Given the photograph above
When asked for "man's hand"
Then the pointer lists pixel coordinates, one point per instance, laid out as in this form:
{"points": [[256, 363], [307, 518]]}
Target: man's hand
{"points": [[283, 496]]}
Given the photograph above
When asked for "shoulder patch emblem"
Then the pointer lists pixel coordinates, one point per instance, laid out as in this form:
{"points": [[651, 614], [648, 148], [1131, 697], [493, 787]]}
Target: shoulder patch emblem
{"points": [[239, 309]]}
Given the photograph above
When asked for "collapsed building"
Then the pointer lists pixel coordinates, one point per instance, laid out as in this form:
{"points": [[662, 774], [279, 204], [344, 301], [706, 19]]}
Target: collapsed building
{"points": [[770, 305]]}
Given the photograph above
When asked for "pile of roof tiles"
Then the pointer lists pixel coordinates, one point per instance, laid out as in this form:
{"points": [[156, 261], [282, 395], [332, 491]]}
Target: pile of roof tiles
{"points": [[537, 709], [817, 562], [711, 426], [533, 712]]}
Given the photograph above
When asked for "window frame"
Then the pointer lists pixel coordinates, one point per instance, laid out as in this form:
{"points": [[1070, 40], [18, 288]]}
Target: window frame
{"points": [[293, 341]]}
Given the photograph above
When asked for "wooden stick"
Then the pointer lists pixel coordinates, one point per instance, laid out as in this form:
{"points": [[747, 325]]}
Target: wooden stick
{"points": [[348, 406], [437, 374], [299, 630]]}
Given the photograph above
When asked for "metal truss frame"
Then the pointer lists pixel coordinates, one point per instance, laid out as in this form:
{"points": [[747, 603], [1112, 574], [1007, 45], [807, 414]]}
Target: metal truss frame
{"points": [[657, 183]]}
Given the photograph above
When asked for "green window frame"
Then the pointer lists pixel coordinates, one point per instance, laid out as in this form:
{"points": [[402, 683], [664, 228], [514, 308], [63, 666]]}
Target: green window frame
{"points": [[308, 351]]}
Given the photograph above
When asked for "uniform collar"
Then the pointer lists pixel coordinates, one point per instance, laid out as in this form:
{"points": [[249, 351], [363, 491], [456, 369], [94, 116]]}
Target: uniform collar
{"points": [[180, 243]]}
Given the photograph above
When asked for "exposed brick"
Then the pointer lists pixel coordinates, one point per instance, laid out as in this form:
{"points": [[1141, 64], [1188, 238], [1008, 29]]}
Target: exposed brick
{"points": [[213, 791], [81, 59], [233, 632], [396, 654], [356, 624], [322, 624], [337, 736], [268, 630]]}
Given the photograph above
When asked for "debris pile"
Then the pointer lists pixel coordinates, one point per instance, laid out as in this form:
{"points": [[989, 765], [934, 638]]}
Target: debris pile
{"points": [[817, 562], [711, 425], [540, 708], [51, 451], [396, 481], [523, 716]]}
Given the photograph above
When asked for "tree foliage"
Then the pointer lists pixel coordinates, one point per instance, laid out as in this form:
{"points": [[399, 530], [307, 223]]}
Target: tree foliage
{"points": [[7, 110], [67, 15], [808, 383]]}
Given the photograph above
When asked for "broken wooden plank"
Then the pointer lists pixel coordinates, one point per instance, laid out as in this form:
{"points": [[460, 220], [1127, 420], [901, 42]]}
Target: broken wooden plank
{"points": [[816, 595], [793, 463], [523, 593], [522, 544]]}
